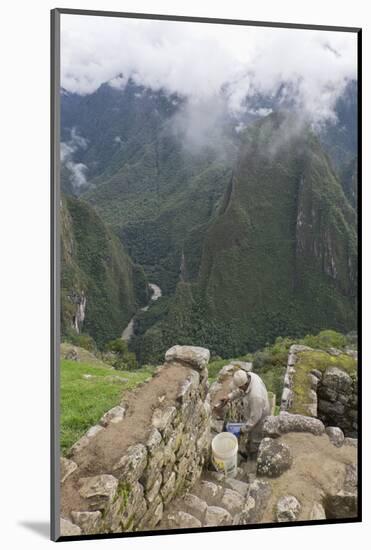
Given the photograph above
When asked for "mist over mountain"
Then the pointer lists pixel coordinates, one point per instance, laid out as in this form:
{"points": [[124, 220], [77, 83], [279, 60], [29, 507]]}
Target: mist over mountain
{"points": [[245, 220], [105, 129]]}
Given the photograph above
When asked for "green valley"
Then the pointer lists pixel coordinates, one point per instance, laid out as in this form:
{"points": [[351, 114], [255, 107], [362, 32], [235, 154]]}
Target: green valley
{"points": [[251, 235]]}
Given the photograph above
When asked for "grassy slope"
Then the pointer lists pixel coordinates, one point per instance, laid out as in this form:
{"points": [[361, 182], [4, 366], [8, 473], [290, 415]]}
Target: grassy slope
{"points": [[83, 402]]}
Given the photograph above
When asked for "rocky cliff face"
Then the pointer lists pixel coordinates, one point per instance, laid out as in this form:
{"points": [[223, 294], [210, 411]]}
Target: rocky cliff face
{"points": [[281, 256], [100, 288], [244, 250]]}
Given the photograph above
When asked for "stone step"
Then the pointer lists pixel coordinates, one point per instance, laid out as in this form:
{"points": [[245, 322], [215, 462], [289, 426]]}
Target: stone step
{"points": [[213, 501], [209, 491], [233, 501], [180, 520], [194, 506], [215, 516], [240, 486]]}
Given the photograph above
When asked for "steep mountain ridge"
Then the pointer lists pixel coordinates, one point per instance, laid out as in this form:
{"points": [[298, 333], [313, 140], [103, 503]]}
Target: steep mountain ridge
{"points": [[101, 288], [245, 246], [281, 255]]}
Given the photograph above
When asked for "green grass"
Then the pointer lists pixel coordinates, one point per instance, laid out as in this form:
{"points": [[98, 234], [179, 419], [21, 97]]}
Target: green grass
{"points": [[319, 360], [83, 402]]}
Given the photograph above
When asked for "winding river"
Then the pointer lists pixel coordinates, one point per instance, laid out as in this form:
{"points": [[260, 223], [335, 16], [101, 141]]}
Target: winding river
{"points": [[129, 329]]}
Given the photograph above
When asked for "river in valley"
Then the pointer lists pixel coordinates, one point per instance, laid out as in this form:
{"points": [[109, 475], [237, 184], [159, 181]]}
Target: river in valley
{"points": [[129, 329]]}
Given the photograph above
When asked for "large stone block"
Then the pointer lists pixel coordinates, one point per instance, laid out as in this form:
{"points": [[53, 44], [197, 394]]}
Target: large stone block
{"points": [[256, 502], [240, 486], [89, 522], [167, 471], [285, 422], [337, 380], [215, 516], [181, 468], [232, 501], [153, 491], [168, 489], [99, 491], [153, 469], [274, 458], [133, 504], [194, 506], [336, 435], [69, 529], [131, 466], [153, 515], [184, 391], [194, 356], [193, 473], [162, 418], [209, 491], [288, 509], [153, 441], [330, 409], [182, 520]]}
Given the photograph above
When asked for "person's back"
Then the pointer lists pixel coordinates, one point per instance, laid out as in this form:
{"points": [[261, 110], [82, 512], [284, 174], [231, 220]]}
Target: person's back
{"points": [[258, 396], [251, 389]]}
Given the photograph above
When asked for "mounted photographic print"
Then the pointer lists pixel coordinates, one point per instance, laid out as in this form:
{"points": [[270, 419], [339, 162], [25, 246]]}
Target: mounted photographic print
{"points": [[205, 198]]}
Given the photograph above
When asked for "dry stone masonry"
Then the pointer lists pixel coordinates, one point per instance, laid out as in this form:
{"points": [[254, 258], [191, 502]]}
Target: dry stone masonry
{"points": [[337, 400], [150, 473], [163, 478], [331, 395]]}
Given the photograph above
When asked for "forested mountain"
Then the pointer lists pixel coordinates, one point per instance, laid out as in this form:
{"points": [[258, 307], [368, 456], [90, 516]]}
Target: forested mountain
{"points": [[101, 288], [248, 226]]}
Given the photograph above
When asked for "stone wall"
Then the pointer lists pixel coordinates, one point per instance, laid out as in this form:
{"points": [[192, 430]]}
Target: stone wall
{"points": [[288, 383], [131, 496], [337, 394], [331, 394]]}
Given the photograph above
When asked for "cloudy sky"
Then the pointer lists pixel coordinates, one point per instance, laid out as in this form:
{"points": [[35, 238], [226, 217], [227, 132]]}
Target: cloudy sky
{"points": [[200, 60]]}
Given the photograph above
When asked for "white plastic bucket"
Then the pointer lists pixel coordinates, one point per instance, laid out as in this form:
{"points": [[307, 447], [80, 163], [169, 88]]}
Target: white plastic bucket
{"points": [[224, 448]]}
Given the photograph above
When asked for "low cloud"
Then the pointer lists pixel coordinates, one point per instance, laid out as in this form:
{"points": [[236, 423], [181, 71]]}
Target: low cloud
{"points": [[77, 170], [204, 61]]}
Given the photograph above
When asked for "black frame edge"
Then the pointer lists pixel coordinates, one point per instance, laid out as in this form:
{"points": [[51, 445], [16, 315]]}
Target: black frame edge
{"points": [[54, 274], [195, 19], [359, 252]]}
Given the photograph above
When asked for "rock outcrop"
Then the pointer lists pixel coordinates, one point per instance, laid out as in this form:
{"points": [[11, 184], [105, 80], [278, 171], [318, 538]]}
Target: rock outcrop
{"points": [[288, 509], [274, 458]]}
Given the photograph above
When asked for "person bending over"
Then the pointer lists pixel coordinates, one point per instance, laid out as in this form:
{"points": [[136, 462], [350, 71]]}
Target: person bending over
{"points": [[251, 389]]}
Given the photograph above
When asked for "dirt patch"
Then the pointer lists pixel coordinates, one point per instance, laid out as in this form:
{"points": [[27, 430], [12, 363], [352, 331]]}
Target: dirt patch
{"points": [[318, 468], [109, 445]]}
